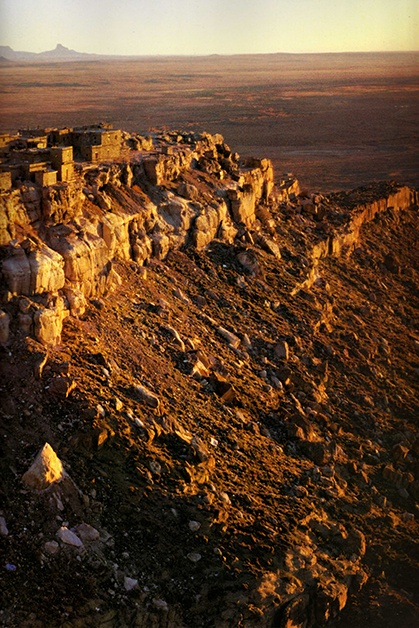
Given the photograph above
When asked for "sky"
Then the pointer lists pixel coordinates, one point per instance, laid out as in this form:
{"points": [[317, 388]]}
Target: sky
{"points": [[201, 27]]}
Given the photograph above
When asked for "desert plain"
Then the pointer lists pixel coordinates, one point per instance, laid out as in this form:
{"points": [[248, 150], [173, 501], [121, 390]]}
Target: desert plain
{"points": [[238, 419], [337, 121]]}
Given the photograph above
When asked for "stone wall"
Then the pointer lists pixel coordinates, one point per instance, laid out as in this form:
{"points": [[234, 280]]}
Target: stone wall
{"points": [[5, 181]]}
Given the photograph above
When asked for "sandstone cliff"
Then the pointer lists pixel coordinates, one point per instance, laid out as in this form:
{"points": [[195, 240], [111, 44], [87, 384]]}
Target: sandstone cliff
{"points": [[61, 240], [209, 391]]}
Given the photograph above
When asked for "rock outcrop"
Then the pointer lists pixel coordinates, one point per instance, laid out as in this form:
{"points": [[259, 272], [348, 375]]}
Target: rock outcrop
{"points": [[228, 369], [59, 241]]}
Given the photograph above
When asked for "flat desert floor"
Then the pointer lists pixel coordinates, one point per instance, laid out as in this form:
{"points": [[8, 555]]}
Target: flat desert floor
{"points": [[337, 121]]}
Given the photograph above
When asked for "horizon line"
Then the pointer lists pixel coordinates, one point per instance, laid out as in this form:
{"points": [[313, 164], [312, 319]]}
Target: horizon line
{"points": [[212, 54]]}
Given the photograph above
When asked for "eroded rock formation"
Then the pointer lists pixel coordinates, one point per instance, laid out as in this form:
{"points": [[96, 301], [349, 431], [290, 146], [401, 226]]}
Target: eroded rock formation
{"points": [[174, 324], [59, 241]]}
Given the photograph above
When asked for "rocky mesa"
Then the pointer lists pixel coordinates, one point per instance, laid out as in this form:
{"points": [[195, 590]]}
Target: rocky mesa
{"points": [[209, 385]]}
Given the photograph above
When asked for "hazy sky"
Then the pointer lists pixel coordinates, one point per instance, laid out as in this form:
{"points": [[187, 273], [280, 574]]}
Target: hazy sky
{"points": [[210, 26]]}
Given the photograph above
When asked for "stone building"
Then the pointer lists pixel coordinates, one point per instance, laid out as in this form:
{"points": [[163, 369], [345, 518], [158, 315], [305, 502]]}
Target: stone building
{"points": [[5, 181], [60, 137], [5, 139], [97, 144], [45, 156], [46, 177], [30, 171], [33, 138], [14, 170], [30, 155], [62, 161]]}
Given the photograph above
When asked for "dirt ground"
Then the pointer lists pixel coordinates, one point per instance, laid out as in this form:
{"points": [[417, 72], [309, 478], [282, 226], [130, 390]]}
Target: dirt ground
{"points": [[337, 121], [198, 529]]}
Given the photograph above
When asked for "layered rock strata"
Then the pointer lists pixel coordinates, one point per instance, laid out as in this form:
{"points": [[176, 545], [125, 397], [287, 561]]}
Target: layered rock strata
{"points": [[58, 242]]}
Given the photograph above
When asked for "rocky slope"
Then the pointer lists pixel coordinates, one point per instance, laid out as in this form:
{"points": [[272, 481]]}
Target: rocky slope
{"points": [[209, 394]]}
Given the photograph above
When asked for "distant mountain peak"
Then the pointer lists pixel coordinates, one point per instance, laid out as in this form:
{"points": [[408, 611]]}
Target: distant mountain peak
{"points": [[59, 53]]}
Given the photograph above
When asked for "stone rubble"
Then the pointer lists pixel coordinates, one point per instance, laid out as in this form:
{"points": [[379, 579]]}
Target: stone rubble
{"points": [[247, 473], [68, 537]]}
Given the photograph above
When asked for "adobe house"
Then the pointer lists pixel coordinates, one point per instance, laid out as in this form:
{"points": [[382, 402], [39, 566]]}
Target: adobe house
{"points": [[15, 171], [32, 132], [36, 142], [33, 138], [6, 143], [30, 155]]}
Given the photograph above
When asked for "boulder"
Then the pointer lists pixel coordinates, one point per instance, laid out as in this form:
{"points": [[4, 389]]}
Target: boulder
{"points": [[175, 219], [76, 301], [51, 547], [45, 470], [147, 396], [243, 204], [86, 260], [282, 350], [49, 323], [25, 323], [87, 533], [141, 247], [68, 537], [47, 270], [130, 583], [161, 245]]}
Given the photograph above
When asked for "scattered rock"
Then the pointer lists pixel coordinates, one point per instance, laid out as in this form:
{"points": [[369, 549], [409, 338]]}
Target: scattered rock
{"points": [[130, 583], [199, 449], [69, 538], [225, 499], [87, 533], [4, 326], [181, 296], [46, 469], [317, 452], [51, 547], [147, 396], [62, 386], [232, 340], [161, 605], [282, 350]]}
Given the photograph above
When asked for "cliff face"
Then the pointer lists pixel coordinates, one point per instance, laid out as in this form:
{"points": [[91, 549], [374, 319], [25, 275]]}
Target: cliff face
{"points": [[209, 396], [61, 240]]}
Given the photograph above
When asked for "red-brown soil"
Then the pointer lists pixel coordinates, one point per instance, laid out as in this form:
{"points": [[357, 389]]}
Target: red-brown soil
{"points": [[353, 361], [337, 121]]}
